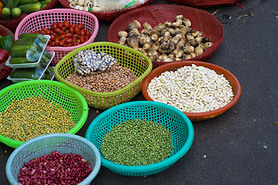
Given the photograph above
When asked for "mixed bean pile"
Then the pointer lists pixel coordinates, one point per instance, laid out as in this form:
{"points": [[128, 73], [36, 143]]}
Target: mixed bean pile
{"points": [[55, 168], [137, 142], [34, 116], [115, 78]]}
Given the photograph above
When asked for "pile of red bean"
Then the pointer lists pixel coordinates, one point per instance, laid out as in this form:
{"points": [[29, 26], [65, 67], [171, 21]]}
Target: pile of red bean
{"points": [[55, 168]]}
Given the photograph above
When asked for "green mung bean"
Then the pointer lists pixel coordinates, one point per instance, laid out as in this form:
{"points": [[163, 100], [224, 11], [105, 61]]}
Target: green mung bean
{"points": [[34, 116], [137, 142]]}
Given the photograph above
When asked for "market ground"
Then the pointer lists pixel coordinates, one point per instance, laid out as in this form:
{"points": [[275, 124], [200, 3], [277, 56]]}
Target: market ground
{"points": [[241, 145]]}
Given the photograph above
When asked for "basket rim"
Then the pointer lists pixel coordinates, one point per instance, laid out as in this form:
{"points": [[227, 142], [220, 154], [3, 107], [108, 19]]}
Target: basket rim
{"points": [[14, 143], [61, 10], [173, 65], [113, 93], [151, 167], [77, 137]]}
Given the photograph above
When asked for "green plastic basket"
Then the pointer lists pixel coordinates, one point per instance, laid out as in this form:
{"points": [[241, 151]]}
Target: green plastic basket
{"points": [[139, 63], [54, 91], [176, 121]]}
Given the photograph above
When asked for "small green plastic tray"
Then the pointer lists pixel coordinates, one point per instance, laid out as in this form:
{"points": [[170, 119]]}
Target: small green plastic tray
{"points": [[54, 91], [139, 63]]}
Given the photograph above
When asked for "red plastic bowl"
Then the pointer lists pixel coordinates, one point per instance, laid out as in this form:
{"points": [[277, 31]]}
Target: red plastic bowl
{"points": [[200, 116], [155, 14], [111, 15]]}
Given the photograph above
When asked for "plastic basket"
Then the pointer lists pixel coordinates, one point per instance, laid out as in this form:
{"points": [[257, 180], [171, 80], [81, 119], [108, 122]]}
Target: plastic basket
{"points": [[45, 18], [54, 91], [219, 70], [154, 14], [42, 145], [139, 63], [173, 119], [111, 15]]}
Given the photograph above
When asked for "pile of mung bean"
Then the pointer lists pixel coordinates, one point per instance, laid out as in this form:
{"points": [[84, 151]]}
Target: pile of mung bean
{"points": [[114, 78], [34, 116], [191, 89], [136, 143]]}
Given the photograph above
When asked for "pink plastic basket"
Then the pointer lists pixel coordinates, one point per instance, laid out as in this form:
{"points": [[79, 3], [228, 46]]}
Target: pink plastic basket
{"points": [[45, 18]]}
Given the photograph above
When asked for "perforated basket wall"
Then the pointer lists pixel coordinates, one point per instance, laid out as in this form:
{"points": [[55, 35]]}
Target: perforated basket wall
{"points": [[155, 14], [205, 3], [180, 126], [139, 63], [54, 91], [45, 18], [42, 145], [111, 15]]}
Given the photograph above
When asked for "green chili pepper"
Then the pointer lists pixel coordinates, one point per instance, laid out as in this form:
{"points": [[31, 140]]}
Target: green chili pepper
{"points": [[6, 42]]}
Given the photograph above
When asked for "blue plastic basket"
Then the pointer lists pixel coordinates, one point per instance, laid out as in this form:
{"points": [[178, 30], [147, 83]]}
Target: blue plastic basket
{"points": [[45, 144], [177, 122]]}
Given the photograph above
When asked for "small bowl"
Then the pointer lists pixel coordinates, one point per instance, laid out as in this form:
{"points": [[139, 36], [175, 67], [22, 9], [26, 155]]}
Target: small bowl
{"points": [[45, 144], [174, 120], [200, 116]]}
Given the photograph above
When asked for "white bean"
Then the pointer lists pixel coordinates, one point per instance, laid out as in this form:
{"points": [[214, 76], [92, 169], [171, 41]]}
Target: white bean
{"points": [[191, 89]]}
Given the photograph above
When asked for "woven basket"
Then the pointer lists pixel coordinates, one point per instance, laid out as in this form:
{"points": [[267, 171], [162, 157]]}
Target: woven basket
{"points": [[108, 16], [174, 120], [155, 14], [139, 63], [5, 70], [219, 70], [54, 91], [45, 18], [205, 3]]}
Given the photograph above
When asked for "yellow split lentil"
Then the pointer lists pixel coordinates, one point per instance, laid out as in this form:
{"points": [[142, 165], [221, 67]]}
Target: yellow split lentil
{"points": [[34, 116]]}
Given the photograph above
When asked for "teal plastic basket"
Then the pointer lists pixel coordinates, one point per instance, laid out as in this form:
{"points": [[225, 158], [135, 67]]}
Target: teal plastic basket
{"points": [[45, 144], [176, 121]]}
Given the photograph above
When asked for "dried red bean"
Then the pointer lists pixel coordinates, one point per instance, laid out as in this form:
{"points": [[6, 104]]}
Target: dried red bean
{"points": [[55, 168]]}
